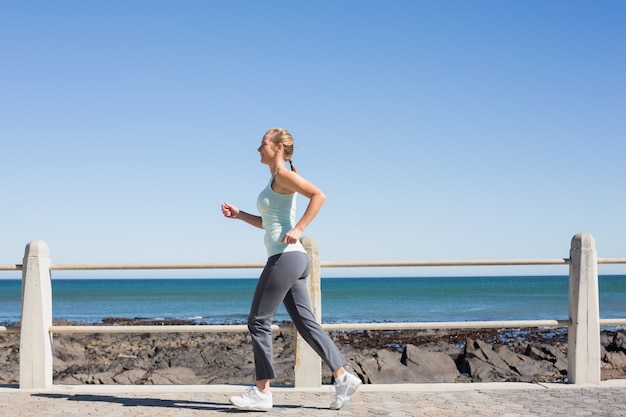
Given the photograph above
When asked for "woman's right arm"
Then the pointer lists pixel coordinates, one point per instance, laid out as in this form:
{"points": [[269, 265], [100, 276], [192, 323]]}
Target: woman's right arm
{"points": [[233, 212]]}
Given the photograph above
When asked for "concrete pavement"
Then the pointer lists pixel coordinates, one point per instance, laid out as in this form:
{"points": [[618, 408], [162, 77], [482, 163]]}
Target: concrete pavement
{"points": [[508, 399]]}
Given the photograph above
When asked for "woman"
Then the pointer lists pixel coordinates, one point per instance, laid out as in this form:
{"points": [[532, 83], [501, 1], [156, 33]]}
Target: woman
{"points": [[284, 277]]}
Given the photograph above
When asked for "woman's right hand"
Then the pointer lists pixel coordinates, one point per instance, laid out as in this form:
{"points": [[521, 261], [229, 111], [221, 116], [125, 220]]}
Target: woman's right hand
{"points": [[230, 211]]}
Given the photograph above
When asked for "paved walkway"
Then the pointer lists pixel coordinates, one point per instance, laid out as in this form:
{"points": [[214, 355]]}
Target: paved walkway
{"points": [[436, 400]]}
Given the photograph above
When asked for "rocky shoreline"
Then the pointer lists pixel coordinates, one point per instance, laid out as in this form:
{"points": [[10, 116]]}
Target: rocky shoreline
{"points": [[378, 357]]}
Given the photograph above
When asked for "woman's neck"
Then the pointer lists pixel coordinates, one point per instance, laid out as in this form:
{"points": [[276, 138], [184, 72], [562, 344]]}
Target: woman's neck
{"points": [[276, 166]]}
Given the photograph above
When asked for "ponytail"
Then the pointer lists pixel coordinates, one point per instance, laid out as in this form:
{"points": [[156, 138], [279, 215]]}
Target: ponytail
{"points": [[293, 167]]}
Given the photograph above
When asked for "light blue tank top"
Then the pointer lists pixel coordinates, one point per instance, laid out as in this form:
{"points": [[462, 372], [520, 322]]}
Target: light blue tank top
{"points": [[278, 212]]}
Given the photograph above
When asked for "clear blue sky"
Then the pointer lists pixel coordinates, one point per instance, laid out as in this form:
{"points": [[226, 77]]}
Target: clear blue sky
{"points": [[437, 129]]}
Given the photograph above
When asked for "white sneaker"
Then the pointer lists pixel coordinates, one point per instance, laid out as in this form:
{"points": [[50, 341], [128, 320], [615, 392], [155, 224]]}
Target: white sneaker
{"points": [[344, 388], [252, 399]]}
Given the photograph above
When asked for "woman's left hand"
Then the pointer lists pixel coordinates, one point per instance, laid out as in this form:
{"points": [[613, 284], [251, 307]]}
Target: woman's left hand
{"points": [[291, 237]]}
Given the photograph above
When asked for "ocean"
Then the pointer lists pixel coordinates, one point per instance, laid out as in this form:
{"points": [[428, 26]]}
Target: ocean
{"points": [[403, 299]]}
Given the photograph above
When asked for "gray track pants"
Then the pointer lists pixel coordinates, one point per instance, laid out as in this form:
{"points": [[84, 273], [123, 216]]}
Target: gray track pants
{"points": [[284, 280]]}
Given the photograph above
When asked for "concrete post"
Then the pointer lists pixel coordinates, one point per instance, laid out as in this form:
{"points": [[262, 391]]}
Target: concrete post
{"points": [[584, 312], [36, 340], [308, 368]]}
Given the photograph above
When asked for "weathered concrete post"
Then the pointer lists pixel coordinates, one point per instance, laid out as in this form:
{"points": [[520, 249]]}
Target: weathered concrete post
{"points": [[36, 340], [308, 368], [584, 312]]}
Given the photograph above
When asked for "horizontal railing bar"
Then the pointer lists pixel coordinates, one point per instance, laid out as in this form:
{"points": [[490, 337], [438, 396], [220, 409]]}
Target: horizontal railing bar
{"points": [[328, 326], [447, 325], [217, 328], [235, 328], [323, 264], [612, 260], [480, 262], [210, 265], [612, 322]]}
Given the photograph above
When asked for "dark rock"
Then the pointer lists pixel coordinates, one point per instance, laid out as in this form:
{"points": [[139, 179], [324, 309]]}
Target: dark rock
{"points": [[527, 368], [483, 364], [416, 356], [428, 366], [490, 355], [620, 341], [617, 360], [380, 367]]}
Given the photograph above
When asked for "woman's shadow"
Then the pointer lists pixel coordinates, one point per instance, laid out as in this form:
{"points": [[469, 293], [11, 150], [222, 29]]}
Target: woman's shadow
{"points": [[156, 402]]}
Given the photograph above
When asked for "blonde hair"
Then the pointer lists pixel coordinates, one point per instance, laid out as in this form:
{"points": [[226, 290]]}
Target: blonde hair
{"points": [[279, 135]]}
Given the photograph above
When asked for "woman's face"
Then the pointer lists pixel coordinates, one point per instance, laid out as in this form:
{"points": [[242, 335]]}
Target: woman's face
{"points": [[267, 150]]}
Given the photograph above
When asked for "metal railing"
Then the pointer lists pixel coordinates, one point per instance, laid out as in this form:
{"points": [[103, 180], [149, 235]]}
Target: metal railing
{"points": [[583, 308]]}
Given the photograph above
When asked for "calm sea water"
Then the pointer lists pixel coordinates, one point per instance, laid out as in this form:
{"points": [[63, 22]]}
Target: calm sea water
{"points": [[217, 301]]}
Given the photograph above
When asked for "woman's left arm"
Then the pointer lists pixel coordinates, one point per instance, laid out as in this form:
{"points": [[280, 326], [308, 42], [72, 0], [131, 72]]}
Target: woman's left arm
{"points": [[290, 181]]}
